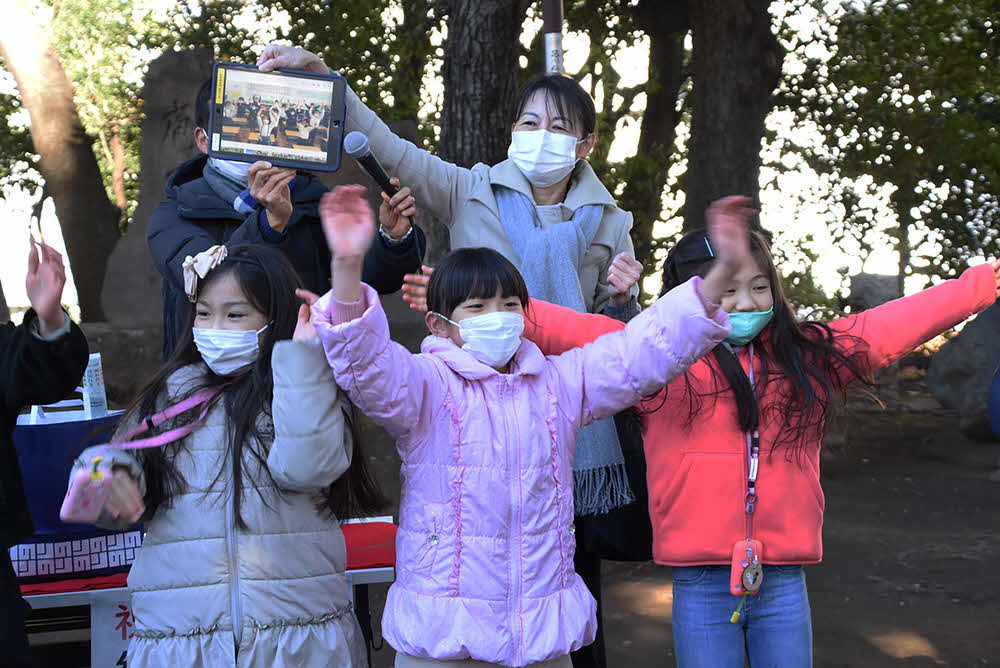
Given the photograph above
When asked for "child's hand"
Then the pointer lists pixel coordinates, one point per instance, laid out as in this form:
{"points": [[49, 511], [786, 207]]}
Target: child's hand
{"points": [[304, 330], [124, 500], [394, 214], [348, 222], [415, 288], [728, 233], [44, 285], [728, 222], [623, 273]]}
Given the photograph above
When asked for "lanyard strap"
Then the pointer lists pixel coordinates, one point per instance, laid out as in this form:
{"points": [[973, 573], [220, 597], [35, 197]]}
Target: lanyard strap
{"points": [[202, 398], [753, 459]]}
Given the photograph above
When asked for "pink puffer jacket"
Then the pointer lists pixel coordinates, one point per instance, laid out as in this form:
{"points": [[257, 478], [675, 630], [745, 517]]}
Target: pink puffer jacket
{"points": [[485, 546]]}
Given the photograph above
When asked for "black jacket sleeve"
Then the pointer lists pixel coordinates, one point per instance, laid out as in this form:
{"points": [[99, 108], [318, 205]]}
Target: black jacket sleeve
{"points": [[386, 265], [33, 371], [172, 238]]}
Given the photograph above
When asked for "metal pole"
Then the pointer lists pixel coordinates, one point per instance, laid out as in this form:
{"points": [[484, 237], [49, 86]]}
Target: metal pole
{"points": [[552, 23]]}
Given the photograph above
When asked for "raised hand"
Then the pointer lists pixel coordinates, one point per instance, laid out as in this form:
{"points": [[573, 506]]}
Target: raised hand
{"points": [[291, 58], [623, 273], [395, 213], [728, 224], [44, 285], [728, 221], [348, 222], [415, 288], [304, 330], [269, 186]]}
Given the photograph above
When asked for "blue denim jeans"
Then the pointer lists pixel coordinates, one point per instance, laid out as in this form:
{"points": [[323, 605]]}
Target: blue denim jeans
{"points": [[774, 629]]}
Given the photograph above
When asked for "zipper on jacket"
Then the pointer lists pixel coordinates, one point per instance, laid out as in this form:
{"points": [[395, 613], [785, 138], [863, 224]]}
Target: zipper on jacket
{"points": [[746, 450], [236, 605], [518, 560]]}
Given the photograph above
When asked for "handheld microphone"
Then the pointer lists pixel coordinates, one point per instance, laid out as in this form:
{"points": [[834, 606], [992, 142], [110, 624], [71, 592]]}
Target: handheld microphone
{"points": [[356, 145]]}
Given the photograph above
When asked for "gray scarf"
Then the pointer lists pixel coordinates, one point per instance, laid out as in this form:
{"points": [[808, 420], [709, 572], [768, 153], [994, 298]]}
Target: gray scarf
{"points": [[550, 260]]}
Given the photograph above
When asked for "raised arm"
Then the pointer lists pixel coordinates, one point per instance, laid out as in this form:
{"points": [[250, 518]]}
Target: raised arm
{"points": [[658, 345], [556, 329], [617, 370], [388, 383], [311, 446], [438, 185], [881, 335], [44, 358]]}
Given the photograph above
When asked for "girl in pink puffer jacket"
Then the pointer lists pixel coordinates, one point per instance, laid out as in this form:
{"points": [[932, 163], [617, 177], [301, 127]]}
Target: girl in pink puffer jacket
{"points": [[485, 426]]}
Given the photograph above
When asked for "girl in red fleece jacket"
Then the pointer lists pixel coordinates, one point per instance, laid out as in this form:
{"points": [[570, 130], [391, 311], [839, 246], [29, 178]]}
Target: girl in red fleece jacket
{"points": [[732, 447]]}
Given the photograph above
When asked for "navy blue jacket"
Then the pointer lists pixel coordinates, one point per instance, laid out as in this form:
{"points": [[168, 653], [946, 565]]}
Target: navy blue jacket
{"points": [[193, 218]]}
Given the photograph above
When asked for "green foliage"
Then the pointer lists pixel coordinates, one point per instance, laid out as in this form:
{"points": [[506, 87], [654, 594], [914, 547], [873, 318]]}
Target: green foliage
{"points": [[15, 147], [364, 40], [100, 50], [905, 93], [381, 46]]}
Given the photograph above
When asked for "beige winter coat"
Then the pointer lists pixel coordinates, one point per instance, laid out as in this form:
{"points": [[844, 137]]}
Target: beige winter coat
{"points": [[279, 583], [463, 199]]}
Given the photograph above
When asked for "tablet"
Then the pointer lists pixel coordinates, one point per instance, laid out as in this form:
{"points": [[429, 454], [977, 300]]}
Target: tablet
{"points": [[289, 118]]}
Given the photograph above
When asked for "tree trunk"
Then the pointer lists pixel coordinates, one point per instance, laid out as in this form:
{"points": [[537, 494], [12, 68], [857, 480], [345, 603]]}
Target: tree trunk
{"points": [[118, 176], [480, 84], [89, 221], [646, 172], [903, 201], [736, 64]]}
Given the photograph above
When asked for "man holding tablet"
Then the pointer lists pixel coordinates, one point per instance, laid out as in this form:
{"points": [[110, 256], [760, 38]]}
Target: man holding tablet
{"points": [[210, 201]]}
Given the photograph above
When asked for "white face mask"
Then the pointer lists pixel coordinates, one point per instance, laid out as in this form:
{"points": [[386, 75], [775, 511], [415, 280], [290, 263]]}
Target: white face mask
{"points": [[232, 169], [492, 338], [227, 350], [544, 157]]}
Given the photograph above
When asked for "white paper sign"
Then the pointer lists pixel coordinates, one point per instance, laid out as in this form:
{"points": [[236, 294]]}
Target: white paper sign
{"points": [[95, 400], [111, 625]]}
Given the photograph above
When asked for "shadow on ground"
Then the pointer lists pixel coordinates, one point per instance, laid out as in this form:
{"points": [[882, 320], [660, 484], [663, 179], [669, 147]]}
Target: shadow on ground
{"points": [[908, 578]]}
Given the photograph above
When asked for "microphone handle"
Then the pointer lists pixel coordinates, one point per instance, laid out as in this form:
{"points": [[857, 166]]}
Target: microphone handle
{"points": [[371, 165]]}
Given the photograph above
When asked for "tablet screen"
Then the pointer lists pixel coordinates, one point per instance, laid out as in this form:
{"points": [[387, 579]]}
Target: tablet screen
{"points": [[273, 116]]}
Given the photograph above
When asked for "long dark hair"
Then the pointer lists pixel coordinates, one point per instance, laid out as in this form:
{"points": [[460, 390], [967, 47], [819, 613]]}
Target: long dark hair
{"points": [[802, 353], [268, 281]]}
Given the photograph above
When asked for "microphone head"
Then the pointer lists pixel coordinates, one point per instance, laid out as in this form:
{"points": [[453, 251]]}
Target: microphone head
{"points": [[356, 144]]}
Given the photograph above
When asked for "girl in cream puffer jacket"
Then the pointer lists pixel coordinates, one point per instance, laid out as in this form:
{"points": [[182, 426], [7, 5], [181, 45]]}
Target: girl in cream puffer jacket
{"points": [[243, 560]]}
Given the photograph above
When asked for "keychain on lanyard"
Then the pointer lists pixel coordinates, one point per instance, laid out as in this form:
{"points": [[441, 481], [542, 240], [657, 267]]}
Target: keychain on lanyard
{"points": [[747, 571]]}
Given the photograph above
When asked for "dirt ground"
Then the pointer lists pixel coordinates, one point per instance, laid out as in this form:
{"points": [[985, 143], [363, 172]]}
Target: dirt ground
{"points": [[912, 536]]}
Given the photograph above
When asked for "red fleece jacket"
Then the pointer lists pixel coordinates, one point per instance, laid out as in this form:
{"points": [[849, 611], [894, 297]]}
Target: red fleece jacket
{"points": [[697, 473]]}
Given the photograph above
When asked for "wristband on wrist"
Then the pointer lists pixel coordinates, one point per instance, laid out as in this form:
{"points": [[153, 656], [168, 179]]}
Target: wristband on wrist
{"points": [[389, 239]]}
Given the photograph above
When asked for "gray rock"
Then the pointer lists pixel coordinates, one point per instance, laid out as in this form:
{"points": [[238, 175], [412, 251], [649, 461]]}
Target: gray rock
{"points": [[871, 290], [961, 372], [130, 357]]}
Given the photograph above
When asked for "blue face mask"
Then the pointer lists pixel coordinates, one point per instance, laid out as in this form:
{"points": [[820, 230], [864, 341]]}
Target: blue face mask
{"points": [[746, 326]]}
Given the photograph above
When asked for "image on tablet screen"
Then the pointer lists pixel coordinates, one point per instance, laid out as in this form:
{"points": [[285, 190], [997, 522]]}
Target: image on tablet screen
{"points": [[270, 116]]}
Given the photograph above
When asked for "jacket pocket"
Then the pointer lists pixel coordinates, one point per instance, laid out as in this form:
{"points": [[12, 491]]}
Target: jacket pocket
{"points": [[420, 546], [700, 514]]}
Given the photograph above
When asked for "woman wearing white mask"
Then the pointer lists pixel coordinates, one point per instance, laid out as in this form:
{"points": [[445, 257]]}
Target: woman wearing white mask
{"points": [[546, 211], [243, 559]]}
